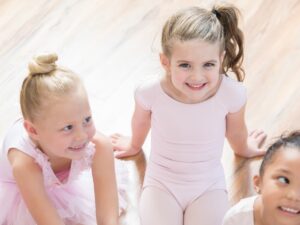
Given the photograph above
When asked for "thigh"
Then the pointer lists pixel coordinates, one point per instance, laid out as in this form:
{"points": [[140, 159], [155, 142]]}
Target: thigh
{"points": [[208, 209], [159, 207]]}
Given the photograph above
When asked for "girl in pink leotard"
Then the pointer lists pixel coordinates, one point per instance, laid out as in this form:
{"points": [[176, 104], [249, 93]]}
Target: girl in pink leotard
{"points": [[190, 111]]}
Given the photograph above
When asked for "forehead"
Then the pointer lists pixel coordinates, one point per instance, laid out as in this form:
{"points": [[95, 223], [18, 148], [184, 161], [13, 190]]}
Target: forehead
{"points": [[67, 106], [288, 158], [195, 49]]}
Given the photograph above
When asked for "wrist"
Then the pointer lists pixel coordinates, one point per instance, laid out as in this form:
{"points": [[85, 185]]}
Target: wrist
{"points": [[109, 221], [135, 149]]}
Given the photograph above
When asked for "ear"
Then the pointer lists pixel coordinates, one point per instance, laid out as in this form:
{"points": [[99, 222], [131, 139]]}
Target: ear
{"points": [[257, 183], [30, 128], [165, 62]]}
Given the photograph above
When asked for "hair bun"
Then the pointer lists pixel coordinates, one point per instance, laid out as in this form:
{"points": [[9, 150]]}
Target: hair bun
{"points": [[42, 64]]}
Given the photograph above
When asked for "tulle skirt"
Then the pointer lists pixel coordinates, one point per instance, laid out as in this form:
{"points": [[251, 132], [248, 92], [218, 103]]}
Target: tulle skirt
{"points": [[73, 205], [74, 201]]}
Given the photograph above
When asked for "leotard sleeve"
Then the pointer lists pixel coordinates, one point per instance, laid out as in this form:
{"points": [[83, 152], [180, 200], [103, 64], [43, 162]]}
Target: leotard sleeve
{"points": [[145, 94], [233, 95]]}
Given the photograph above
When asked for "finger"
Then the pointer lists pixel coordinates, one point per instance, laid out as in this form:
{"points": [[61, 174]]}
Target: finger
{"points": [[116, 147], [257, 133], [252, 132], [113, 140], [261, 138], [115, 135], [118, 152], [261, 151], [262, 134], [121, 154]]}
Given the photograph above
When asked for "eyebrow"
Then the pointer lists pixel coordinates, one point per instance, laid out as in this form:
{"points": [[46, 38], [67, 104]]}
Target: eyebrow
{"points": [[187, 61], [182, 61], [283, 171]]}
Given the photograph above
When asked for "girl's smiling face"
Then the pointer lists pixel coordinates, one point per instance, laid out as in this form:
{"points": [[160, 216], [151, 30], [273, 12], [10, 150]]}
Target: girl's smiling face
{"points": [[279, 203], [66, 127], [193, 70]]}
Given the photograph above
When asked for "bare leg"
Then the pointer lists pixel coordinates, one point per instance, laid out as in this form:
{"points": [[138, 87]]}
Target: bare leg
{"points": [[159, 207], [208, 209]]}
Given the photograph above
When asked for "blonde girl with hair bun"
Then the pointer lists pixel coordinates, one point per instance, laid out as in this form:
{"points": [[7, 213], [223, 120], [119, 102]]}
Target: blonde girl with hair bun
{"points": [[190, 111], [46, 155]]}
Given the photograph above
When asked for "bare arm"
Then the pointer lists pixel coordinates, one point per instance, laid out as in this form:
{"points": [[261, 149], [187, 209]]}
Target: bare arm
{"points": [[30, 182], [140, 124], [105, 186], [242, 143]]}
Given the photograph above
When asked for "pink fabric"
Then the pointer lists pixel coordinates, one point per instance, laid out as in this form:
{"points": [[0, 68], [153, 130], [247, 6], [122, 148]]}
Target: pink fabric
{"points": [[187, 139], [71, 191]]}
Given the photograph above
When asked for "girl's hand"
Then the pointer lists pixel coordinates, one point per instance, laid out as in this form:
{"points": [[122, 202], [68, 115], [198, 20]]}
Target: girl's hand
{"points": [[122, 146], [255, 140]]}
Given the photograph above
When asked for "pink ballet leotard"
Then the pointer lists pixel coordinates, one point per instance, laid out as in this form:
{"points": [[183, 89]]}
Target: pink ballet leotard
{"points": [[187, 139]]}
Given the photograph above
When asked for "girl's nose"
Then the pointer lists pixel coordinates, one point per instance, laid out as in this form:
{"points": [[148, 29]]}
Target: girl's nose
{"points": [[80, 135], [294, 194], [197, 75]]}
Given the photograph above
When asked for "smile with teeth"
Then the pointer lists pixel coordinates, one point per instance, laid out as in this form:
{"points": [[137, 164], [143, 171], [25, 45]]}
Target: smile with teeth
{"points": [[77, 148], [289, 210], [196, 86]]}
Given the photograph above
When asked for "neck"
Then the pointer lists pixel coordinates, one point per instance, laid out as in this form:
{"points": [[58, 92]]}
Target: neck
{"points": [[258, 213]]}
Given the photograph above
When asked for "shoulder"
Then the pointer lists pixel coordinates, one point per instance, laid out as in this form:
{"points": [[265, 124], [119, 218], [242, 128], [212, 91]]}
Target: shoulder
{"points": [[231, 86], [241, 213], [103, 159], [21, 163], [145, 93], [102, 144], [148, 85], [232, 94], [17, 137]]}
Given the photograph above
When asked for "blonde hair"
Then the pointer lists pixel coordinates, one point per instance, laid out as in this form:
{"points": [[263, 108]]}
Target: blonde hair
{"points": [[218, 25], [45, 82]]}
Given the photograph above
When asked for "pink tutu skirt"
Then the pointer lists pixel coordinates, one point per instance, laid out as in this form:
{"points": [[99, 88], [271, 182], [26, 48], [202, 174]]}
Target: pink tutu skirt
{"points": [[73, 205], [74, 201]]}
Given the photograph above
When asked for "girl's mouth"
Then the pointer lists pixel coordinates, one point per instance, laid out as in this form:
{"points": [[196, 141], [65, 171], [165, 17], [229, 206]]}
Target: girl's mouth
{"points": [[196, 87], [78, 147], [289, 210]]}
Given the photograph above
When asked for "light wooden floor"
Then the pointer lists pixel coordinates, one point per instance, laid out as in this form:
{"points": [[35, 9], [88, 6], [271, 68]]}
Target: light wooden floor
{"points": [[114, 45]]}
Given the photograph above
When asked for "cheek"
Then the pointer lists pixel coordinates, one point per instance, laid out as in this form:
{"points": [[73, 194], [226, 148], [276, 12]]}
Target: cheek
{"points": [[49, 138], [179, 76], [91, 131], [270, 192], [270, 201], [177, 82]]}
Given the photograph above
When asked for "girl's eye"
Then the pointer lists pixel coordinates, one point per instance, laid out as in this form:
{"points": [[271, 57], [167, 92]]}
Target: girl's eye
{"points": [[68, 128], [209, 65], [87, 120], [185, 65], [283, 180]]}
